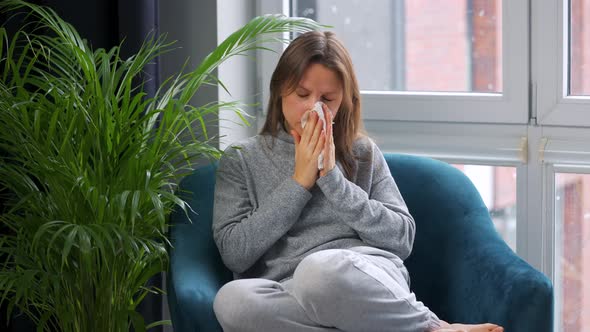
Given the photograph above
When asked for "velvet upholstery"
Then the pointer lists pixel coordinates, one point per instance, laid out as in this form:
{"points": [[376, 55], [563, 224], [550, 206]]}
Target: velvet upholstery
{"points": [[460, 267]]}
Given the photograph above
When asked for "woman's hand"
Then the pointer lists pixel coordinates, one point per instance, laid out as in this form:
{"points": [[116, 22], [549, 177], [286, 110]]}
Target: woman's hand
{"points": [[308, 147], [329, 149]]}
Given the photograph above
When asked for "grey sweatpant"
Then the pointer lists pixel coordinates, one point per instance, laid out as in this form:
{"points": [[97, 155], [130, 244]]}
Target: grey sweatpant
{"points": [[356, 289]]}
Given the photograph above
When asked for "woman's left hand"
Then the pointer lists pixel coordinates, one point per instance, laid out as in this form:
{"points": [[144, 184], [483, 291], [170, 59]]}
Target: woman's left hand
{"points": [[329, 149]]}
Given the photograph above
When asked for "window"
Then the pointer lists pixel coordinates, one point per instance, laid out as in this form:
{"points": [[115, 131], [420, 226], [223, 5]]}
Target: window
{"points": [[427, 46], [579, 48], [443, 61], [561, 65]]}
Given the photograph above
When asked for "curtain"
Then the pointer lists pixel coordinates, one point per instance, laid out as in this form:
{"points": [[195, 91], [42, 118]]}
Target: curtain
{"points": [[107, 23]]}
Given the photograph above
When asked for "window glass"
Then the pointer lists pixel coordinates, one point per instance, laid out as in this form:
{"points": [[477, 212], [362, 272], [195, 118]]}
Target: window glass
{"points": [[572, 261], [579, 35], [497, 187], [418, 45]]}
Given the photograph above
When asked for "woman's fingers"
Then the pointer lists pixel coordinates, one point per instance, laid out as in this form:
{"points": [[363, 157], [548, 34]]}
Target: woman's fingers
{"points": [[319, 147], [311, 132], [306, 171], [327, 133], [329, 120], [317, 131], [309, 127], [329, 149]]}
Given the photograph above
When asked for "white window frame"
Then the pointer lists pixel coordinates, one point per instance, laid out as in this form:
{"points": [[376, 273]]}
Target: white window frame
{"points": [[553, 105], [507, 107], [561, 150], [550, 250]]}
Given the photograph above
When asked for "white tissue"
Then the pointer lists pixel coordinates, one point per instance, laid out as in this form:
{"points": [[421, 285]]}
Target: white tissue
{"points": [[317, 107]]}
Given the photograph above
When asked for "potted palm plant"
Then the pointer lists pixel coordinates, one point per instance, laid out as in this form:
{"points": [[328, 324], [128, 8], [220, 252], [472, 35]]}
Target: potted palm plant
{"points": [[88, 167]]}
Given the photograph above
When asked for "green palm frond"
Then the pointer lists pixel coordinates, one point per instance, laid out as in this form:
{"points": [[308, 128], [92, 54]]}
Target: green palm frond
{"points": [[89, 165], [250, 37]]}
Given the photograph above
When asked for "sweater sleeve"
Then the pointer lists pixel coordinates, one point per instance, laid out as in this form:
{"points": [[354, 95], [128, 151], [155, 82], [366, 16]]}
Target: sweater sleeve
{"points": [[242, 229], [380, 217]]}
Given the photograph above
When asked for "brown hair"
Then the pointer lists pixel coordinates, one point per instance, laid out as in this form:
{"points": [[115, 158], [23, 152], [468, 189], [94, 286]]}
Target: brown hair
{"points": [[319, 48]]}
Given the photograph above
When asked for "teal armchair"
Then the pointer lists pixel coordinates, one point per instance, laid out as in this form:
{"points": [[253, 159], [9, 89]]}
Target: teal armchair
{"points": [[460, 267]]}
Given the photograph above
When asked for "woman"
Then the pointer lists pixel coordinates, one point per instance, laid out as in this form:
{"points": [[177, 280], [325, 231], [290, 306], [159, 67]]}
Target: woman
{"points": [[315, 250]]}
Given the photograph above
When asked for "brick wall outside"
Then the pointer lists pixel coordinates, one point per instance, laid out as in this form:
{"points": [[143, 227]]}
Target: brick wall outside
{"points": [[436, 46]]}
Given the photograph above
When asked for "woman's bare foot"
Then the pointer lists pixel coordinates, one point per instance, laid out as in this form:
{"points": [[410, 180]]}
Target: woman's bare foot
{"points": [[446, 327], [477, 328]]}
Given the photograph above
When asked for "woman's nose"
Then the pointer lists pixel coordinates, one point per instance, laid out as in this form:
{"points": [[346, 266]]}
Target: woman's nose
{"points": [[311, 102]]}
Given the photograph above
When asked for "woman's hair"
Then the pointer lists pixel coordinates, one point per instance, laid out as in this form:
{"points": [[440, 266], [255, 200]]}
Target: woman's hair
{"points": [[318, 48]]}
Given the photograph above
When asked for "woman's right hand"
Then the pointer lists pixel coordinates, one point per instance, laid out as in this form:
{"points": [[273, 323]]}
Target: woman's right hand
{"points": [[308, 147]]}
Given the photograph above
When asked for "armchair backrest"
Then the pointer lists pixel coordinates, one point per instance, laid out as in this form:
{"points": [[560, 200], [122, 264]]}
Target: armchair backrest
{"points": [[451, 222]]}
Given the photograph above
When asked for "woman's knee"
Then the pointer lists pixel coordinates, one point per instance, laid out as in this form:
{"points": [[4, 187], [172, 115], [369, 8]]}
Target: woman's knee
{"points": [[236, 304], [324, 274], [225, 302]]}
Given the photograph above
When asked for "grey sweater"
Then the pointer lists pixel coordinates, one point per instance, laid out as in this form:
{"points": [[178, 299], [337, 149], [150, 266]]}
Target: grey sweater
{"points": [[265, 223]]}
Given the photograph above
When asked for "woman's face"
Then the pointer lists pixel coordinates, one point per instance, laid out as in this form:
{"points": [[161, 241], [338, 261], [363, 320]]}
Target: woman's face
{"points": [[318, 83]]}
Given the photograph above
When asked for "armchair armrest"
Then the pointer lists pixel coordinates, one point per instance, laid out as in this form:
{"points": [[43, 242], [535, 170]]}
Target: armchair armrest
{"points": [[489, 282], [196, 270], [196, 275], [460, 267]]}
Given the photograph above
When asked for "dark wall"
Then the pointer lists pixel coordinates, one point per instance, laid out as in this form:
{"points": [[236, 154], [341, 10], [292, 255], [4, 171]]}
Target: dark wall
{"points": [[95, 20], [108, 23]]}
